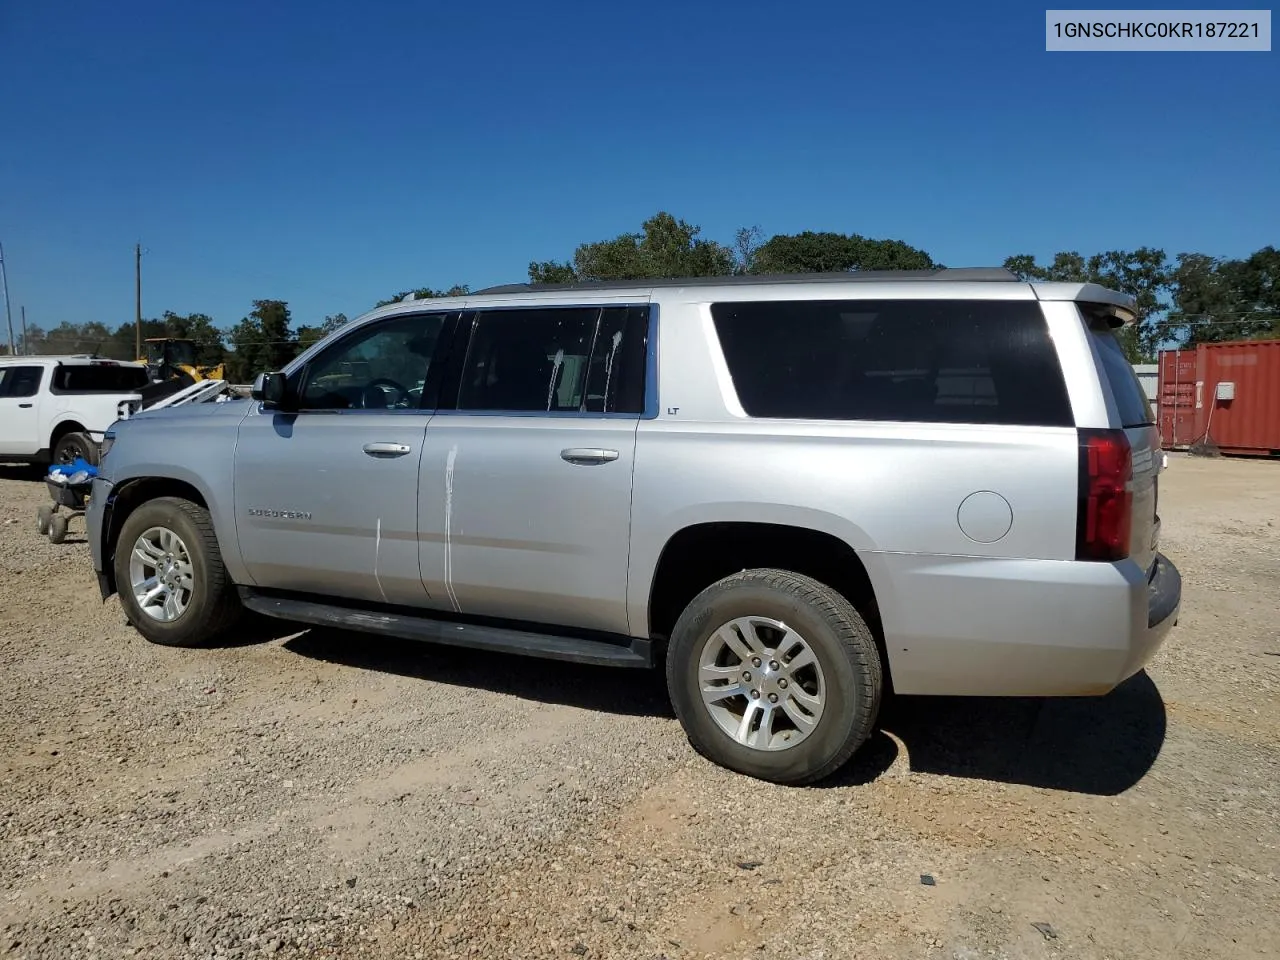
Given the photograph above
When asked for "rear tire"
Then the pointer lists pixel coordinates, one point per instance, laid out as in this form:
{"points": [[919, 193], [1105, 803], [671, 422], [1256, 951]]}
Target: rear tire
{"points": [[72, 445], [169, 573], [817, 662]]}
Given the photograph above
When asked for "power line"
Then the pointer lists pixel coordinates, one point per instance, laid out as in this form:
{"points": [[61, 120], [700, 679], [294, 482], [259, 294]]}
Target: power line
{"points": [[1219, 313], [1216, 323]]}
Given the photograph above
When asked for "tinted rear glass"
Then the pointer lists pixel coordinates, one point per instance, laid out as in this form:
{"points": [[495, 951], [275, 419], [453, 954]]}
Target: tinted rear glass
{"points": [[84, 378], [615, 375], [932, 361], [1131, 399]]}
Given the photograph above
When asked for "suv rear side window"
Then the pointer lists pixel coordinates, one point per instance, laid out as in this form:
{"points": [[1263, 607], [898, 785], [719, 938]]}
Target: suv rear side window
{"points": [[1131, 399], [928, 361], [98, 378], [615, 375]]}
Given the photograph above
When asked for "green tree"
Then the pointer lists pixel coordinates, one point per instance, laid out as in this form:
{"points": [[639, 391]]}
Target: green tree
{"points": [[1218, 299], [746, 247], [424, 293], [1258, 283], [1204, 300], [72, 338], [664, 247], [209, 340], [335, 321], [262, 341], [551, 272], [811, 252], [31, 343], [1068, 267], [124, 338], [211, 348], [307, 336]]}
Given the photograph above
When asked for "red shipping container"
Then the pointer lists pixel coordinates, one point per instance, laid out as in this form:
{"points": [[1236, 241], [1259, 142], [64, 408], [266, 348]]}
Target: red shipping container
{"points": [[1176, 398], [1237, 396]]}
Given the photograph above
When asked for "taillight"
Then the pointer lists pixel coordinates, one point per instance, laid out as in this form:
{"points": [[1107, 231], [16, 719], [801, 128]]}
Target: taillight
{"points": [[1105, 514]]}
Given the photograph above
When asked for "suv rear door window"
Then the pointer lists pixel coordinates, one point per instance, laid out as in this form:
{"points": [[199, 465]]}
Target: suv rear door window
{"points": [[529, 360], [1131, 399], [930, 361]]}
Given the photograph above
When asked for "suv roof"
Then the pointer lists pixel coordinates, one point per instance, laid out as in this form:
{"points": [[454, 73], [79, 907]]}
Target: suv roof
{"points": [[1123, 303], [988, 274]]}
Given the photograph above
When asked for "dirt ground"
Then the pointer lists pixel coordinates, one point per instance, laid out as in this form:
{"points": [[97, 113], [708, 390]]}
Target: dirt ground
{"points": [[307, 794]]}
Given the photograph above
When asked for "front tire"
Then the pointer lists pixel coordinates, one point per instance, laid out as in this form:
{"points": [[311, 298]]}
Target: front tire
{"points": [[774, 675], [170, 577]]}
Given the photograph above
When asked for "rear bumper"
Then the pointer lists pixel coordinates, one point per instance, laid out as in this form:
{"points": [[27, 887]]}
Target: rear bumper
{"points": [[1163, 595], [972, 626]]}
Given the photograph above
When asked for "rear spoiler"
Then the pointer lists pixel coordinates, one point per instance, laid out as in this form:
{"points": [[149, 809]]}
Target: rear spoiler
{"points": [[1119, 308]]}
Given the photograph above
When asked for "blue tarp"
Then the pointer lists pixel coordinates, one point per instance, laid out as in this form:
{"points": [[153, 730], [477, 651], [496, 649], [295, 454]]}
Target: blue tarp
{"points": [[69, 472]]}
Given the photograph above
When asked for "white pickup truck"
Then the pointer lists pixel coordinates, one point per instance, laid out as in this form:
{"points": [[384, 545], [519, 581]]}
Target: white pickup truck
{"points": [[54, 409]]}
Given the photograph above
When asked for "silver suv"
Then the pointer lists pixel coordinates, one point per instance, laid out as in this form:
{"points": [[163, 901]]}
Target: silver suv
{"points": [[794, 491]]}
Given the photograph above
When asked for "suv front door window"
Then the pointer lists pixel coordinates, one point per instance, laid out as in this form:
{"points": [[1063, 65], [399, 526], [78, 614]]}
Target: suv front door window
{"points": [[327, 491], [19, 411], [382, 367]]}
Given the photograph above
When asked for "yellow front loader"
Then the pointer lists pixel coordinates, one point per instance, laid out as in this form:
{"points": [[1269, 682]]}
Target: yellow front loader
{"points": [[171, 358]]}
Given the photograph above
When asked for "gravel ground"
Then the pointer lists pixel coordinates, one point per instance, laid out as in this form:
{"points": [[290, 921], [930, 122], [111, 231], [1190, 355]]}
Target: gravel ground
{"points": [[309, 794]]}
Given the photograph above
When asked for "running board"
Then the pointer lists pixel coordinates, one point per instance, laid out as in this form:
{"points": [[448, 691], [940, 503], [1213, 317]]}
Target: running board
{"points": [[479, 637]]}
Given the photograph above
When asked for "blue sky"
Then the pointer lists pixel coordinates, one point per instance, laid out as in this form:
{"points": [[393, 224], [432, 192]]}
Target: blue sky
{"points": [[332, 153]]}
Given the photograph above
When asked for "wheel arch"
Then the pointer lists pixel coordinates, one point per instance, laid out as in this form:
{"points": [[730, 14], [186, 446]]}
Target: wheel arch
{"points": [[62, 428], [126, 496], [700, 554]]}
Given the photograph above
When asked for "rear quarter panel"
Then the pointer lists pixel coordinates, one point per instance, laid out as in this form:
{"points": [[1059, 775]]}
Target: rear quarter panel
{"points": [[889, 490]]}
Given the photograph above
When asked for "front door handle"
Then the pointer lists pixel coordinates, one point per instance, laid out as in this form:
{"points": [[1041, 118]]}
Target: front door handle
{"points": [[25, 406], [386, 449], [586, 455]]}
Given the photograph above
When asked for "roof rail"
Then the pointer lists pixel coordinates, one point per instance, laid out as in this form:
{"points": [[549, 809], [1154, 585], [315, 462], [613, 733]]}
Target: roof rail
{"points": [[991, 274]]}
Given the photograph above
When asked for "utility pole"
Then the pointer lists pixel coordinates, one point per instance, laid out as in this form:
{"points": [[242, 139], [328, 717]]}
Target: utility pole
{"points": [[4, 279], [26, 346], [137, 286]]}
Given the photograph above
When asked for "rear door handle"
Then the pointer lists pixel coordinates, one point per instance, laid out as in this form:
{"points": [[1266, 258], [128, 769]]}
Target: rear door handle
{"points": [[585, 455], [386, 449], [25, 406]]}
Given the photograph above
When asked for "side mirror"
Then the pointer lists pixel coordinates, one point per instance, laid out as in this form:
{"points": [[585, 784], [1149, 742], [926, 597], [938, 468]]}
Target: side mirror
{"points": [[271, 389]]}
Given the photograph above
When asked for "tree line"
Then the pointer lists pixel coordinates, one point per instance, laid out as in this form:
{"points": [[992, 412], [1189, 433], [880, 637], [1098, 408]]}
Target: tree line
{"points": [[1182, 300]]}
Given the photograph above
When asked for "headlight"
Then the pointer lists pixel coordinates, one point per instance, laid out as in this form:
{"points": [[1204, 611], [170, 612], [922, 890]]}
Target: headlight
{"points": [[108, 439]]}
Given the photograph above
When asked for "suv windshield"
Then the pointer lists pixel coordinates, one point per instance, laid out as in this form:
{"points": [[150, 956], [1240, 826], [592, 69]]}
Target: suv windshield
{"points": [[1131, 399], [86, 378]]}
